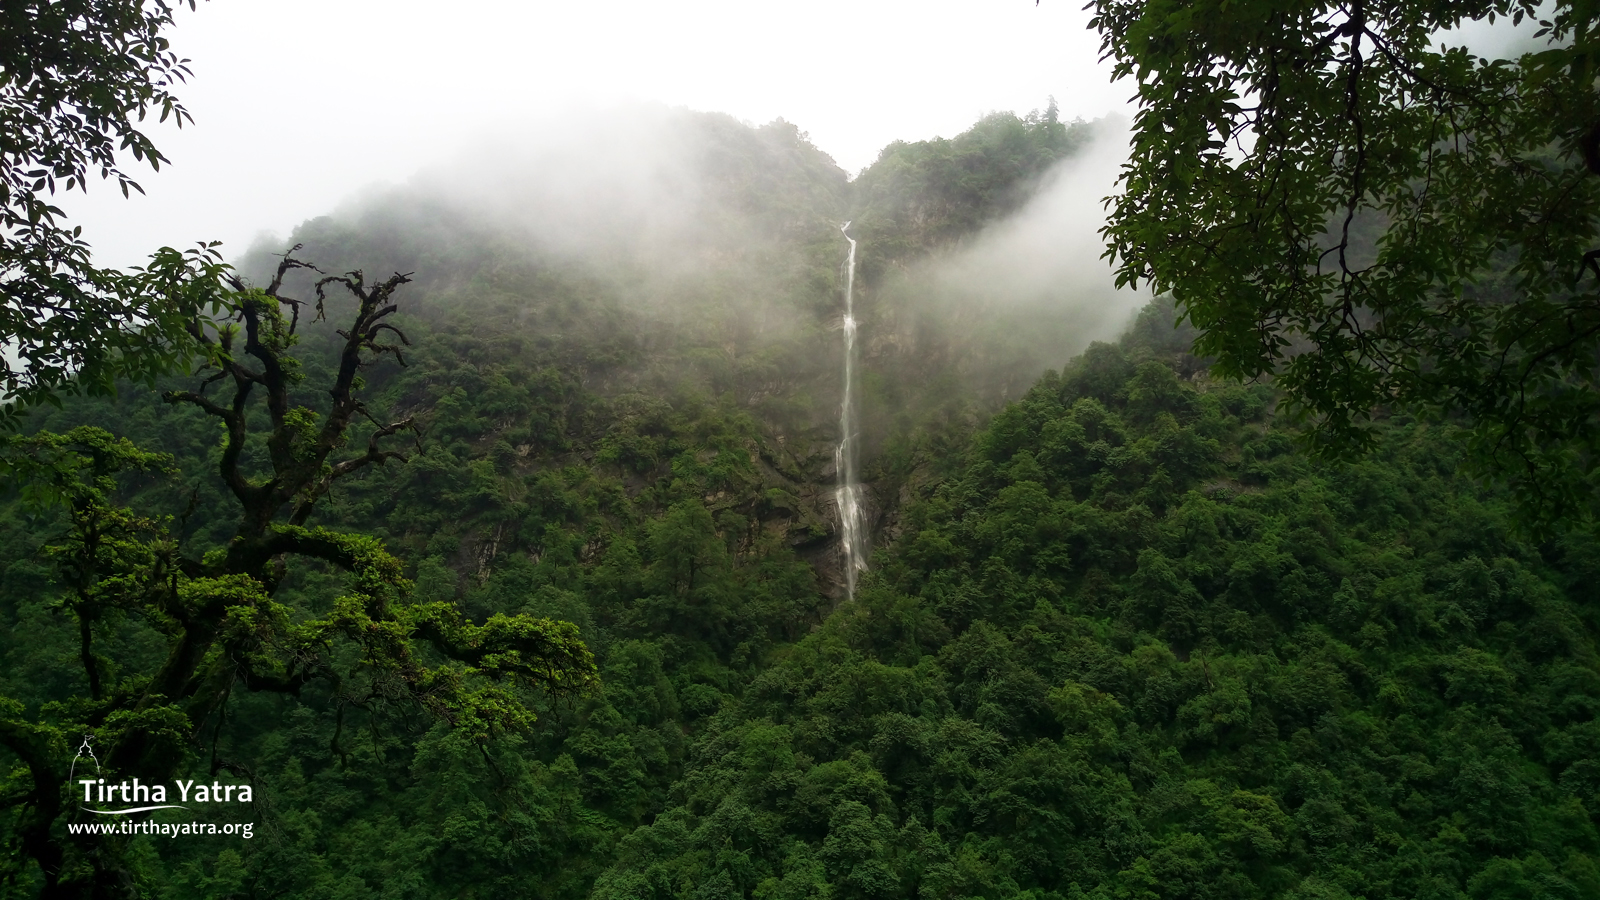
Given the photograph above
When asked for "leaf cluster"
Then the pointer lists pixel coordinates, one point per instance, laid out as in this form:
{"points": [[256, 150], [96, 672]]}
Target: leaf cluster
{"points": [[77, 80], [1337, 197]]}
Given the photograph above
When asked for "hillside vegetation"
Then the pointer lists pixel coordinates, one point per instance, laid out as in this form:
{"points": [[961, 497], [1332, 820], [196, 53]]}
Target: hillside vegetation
{"points": [[1120, 637], [1136, 646]]}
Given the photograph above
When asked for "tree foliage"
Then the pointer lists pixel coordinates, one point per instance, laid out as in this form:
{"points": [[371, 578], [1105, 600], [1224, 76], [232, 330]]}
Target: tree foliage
{"points": [[217, 616], [77, 80], [1337, 194], [1139, 646]]}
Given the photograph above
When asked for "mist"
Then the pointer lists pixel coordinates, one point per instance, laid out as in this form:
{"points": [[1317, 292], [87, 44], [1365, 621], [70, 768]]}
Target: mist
{"points": [[418, 86], [691, 253], [1049, 259], [1028, 292], [589, 183]]}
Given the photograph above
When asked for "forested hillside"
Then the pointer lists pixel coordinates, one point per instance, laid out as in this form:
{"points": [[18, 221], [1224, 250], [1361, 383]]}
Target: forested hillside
{"points": [[1138, 647], [699, 268], [1121, 638]]}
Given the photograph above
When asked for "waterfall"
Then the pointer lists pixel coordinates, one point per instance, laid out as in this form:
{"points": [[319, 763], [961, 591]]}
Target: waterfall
{"points": [[852, 518]]}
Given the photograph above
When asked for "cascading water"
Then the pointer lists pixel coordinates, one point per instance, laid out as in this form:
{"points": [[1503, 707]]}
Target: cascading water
{"points": [[852, 518]]}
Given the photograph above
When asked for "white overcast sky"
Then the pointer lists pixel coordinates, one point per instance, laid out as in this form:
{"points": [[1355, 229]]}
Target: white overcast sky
{"points": [[301, 103]]}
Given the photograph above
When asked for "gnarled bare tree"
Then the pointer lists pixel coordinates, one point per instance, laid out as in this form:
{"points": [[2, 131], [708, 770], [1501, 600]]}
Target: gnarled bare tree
{"points": [[223, 628]]}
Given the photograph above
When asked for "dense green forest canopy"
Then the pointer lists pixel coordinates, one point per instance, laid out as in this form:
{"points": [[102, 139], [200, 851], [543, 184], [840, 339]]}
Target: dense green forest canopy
{"points": [[1346, 196], [1121, 637], [1138, 646]]}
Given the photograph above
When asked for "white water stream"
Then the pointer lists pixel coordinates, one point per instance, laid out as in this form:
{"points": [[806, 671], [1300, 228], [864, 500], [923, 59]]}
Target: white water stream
{"points": [[852, 517]]}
